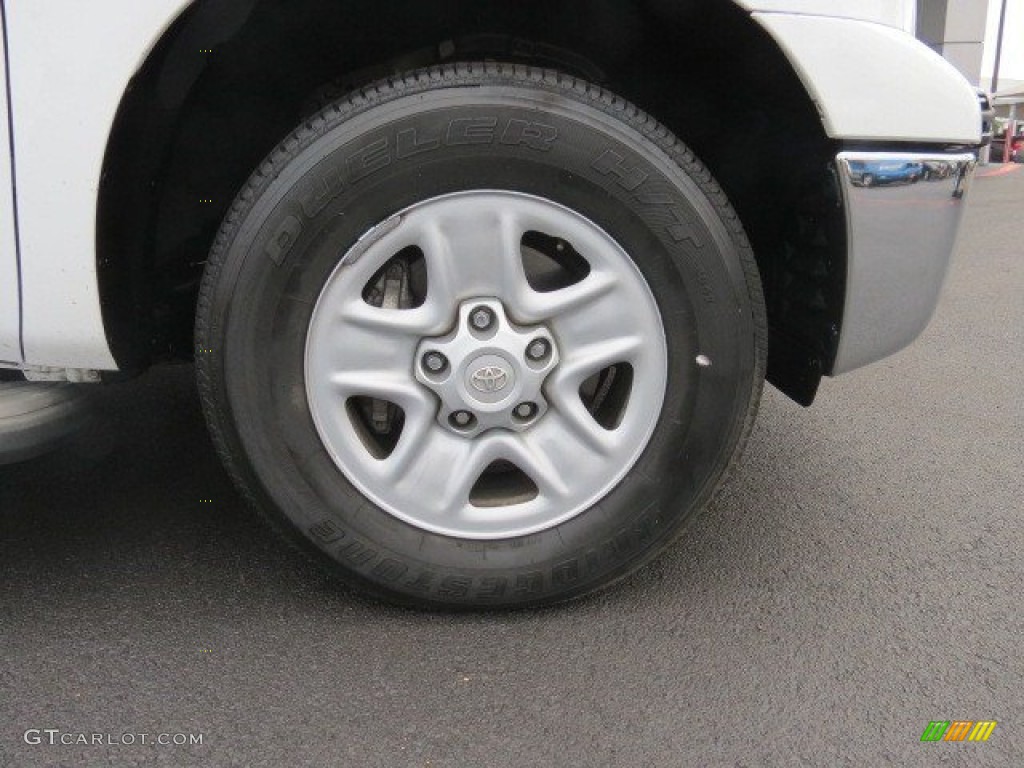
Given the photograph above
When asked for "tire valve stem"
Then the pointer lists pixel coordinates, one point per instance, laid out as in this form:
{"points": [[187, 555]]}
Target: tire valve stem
{"points": [[703, 361]]}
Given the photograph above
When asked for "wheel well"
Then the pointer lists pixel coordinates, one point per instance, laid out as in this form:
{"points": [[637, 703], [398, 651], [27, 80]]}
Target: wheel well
{"points": [[228, 80]]}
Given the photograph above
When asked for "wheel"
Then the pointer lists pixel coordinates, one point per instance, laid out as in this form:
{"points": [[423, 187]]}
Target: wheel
{"points": [[480, 335], [868, 179], [36, 417]]}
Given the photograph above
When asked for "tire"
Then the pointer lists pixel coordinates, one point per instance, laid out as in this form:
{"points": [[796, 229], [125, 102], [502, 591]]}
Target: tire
{"points": [[483, 213], [36, 417]]}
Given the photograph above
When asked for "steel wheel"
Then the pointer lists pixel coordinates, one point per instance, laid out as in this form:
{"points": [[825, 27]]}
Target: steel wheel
{"points": [[530, 453]]}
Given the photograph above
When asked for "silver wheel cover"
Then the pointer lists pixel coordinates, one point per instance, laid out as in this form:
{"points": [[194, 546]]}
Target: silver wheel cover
{"points": [[471, 246]]}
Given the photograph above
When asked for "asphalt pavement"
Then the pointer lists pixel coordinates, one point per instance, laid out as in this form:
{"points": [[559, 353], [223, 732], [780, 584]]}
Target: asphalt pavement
{"points": [[859, 577]]}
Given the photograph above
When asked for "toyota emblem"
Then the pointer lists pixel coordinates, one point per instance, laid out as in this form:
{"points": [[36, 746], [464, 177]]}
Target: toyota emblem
{"points": [[490, 378]]}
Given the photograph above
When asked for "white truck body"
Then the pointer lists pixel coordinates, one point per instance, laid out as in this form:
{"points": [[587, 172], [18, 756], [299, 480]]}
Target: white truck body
{"points": [[10, 347], [83, 60]]}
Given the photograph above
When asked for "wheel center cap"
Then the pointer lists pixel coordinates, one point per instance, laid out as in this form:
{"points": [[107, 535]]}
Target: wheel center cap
{"points": [[490, 378], [487, 372]]}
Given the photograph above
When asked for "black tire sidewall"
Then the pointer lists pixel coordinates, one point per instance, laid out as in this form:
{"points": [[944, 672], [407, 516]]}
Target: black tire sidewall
{"points": [[344, 176]]}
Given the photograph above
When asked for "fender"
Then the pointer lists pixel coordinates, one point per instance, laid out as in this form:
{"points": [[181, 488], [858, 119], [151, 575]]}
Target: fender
{"points": [[847, 67], [59, 101], [59, 179]]}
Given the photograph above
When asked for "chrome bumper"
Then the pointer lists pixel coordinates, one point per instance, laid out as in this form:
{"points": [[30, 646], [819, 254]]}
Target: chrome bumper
{"points": [[902, 215]]}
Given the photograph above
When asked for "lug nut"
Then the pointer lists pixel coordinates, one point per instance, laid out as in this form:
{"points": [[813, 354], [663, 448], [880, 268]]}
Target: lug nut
{"points": [[526, 411], [481, 318], [538, 350], [434, 362], [462, 418]]}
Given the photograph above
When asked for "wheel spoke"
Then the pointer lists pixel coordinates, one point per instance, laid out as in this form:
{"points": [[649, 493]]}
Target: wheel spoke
{"points": [[581, 363], [474, 252], [540, 460], [570, 420], [417, 433], [442, 472], [599, 323], [386, 324], [394, 386], [583, 299]]}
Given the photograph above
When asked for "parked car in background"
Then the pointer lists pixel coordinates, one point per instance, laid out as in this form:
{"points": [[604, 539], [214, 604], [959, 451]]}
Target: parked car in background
{"points": [[481, 300], [868, 174], [1016, 154]]}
